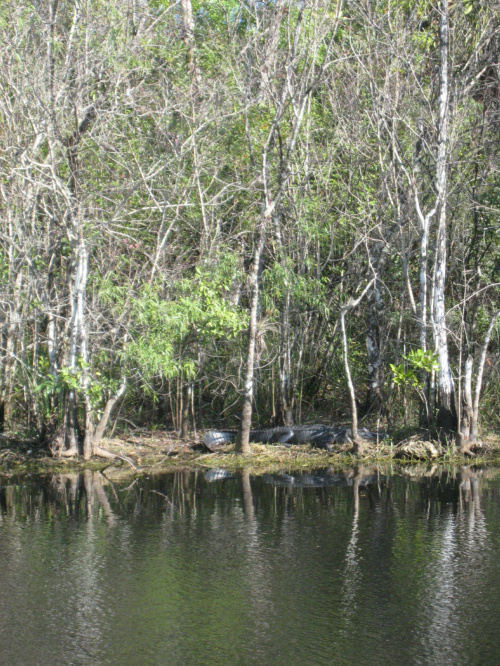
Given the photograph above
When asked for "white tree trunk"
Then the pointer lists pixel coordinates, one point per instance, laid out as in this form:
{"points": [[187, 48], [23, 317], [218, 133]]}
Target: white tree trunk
{"points": [[243, 442], [446, 417]]}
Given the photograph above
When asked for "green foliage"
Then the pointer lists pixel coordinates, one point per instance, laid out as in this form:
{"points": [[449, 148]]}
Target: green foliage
{"points": [[168, 331], [281, 280], [78, 379], [409, 373]]}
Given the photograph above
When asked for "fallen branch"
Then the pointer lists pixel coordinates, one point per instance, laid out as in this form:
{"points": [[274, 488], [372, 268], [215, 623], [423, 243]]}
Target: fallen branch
{"points": [[104, 453]]}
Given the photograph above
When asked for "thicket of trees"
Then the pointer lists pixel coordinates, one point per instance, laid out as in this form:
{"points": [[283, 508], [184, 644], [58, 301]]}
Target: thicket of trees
{"points": [[218, 209]]}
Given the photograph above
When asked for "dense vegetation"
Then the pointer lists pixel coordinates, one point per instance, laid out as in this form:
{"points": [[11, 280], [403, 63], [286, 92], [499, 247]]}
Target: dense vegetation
{"points": [[216, 209]]}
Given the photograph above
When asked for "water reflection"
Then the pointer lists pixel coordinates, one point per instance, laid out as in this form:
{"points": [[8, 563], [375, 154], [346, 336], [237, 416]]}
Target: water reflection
{"points": [[352, 574], [330, 566]]}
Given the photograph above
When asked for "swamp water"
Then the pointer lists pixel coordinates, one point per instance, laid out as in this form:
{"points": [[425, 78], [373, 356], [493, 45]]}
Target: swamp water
{"points": [[332, 567]]}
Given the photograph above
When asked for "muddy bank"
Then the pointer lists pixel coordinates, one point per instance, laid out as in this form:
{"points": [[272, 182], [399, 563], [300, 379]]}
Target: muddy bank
{"points": [[148, 451]]}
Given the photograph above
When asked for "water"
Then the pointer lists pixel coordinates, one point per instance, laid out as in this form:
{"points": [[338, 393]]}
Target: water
{"points": [[358, 567]]}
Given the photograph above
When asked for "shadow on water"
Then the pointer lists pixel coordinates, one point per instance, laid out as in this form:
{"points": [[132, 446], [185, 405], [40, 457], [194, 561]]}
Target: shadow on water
{"points": [[330, 566]]}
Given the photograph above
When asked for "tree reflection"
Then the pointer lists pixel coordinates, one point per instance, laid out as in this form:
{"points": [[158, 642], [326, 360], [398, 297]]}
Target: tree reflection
{"points": [[352, 574], [247, 496]]}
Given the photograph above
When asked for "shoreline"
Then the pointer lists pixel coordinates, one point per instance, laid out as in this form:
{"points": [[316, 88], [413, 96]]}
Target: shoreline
{"points": [[146, 452]]}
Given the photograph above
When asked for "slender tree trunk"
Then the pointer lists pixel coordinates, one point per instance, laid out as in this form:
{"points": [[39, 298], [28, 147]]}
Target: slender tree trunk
{"points": [[356, 440], [108, 410], [479, 379], [285, 369], [357, 444], [88, 428], [77, 280], [470, 404], [374, 356], [77, 360], [447, 416], [467, 404], [186, 407], [11, 339], [375, 334], [188, 34], [243, 441]]}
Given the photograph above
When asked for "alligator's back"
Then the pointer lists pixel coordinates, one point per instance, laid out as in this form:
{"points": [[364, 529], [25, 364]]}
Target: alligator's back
{"points": [[318, 435], [281, 435]]}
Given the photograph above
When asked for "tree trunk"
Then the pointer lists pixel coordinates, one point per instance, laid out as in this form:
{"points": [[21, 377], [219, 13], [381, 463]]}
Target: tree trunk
{"points": [[357, 444], [77, 357], [446, 420], [373, 351], [467, 406], [470, 407], [356, 440], [87, 436], [243, 441], [110, 405], [186, 408], [70, 441], [285, 369], [188, 34], [11, 339]]}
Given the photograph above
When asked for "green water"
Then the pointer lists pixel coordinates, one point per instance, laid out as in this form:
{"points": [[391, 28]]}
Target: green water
{"points": [[358, 567]]}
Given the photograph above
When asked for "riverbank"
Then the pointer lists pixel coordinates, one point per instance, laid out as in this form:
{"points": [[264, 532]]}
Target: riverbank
{"points": [[149, 451]]}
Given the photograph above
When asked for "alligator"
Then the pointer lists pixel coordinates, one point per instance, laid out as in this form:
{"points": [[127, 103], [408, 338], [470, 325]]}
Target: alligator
{"points": [[318, 479], [318, 435]]}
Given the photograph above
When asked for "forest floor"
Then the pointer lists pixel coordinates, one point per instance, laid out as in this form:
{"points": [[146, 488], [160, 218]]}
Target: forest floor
{"points": [[151, 451]]}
